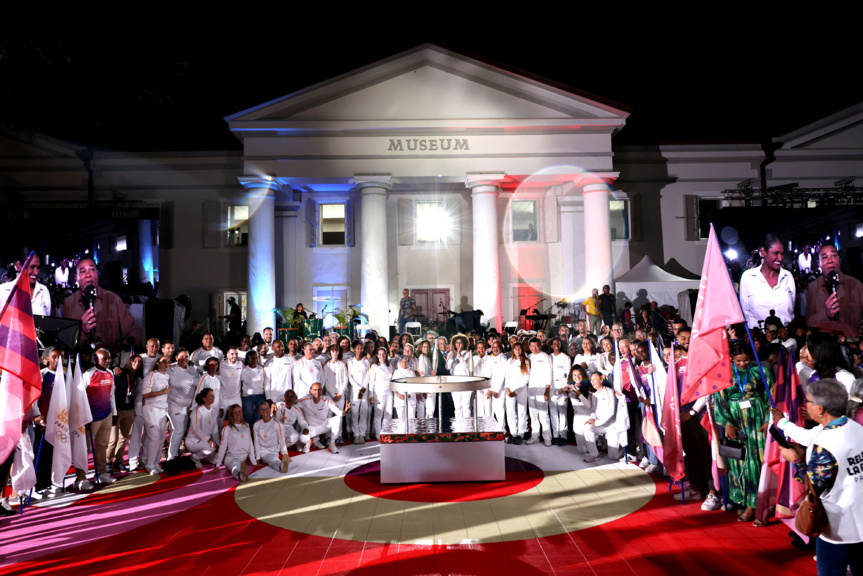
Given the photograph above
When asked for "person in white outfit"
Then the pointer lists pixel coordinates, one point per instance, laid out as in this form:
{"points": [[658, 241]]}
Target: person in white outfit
{"points": [[583, 409], [323, 416], [498, 364], [295, 429], [603, 421], [380, 397], [202, 439], [155, 399], [236, 449], [230, 373], [280, 373], [515, 386], [482, 367], [425, 367], [588, 358], [199, 357], [539, 392], [211, 380], [358, 374], [558, 403], [460, 364], [253, 382], [404, 371], [307, 371], [270, 440], [336, 381], [183, 379]]}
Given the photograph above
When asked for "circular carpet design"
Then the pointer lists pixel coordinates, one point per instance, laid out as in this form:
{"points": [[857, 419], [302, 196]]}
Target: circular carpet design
{"points": [[331, 506]]}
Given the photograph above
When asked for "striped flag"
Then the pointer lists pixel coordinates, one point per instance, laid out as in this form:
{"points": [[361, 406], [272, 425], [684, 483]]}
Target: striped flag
{"points": [[21, 384]]}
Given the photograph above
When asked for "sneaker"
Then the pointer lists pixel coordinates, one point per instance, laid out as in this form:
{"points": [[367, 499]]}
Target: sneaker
{"points": [[712, 503], [109, 469], [306, 447], [198, 464], [644, 463], [244, 471], [690, 495], [317, 443], [592, 458], [333, 448], [531, 440], [547, 442], [83, 485], [340, 442], [105, 479], [285, 463], [631, 457], [368, 438], [518, 441], [121, 468], [5, 508], [651, 468], [360, 440], [154, 472]]}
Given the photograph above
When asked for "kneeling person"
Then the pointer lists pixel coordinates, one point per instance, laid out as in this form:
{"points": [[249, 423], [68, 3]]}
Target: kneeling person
{"points": [[269, 440], [295, 429], [323, 416]]}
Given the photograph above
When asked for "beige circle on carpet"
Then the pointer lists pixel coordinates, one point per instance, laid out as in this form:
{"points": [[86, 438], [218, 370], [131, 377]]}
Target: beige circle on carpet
{"points": [[565, 501], [128, 483]]}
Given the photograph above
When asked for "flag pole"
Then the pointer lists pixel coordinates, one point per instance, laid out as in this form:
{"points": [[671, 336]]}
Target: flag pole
{"points": [[95, 465], [760, 367], [35, 467]]}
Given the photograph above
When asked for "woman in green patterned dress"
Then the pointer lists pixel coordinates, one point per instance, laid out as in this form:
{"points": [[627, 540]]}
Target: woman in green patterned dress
{"points": [[743, 410]]}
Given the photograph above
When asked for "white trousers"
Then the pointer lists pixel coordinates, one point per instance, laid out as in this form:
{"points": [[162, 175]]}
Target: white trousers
{"points": [[233, 462], [557, 409], [538, 407], [179, 418], [615, 438], [430, 405], [156, 420], [383, 414], [137, 436], [461, 401], [400, 407], [272, 460], [292, 435], [201, 449], [516, 412], [332, 426], [582, 444], [360, 411]]}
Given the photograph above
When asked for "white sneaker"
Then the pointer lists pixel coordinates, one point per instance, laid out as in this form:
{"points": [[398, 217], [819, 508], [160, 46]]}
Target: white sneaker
{"points": [[592, 458], [651, 468], [644, 463], [531, 440], [547, 442], [198, 464], [712, 503], [105, 479], [317, 443], [83, 485], [690, 495], [333, 448], [306, 447]]}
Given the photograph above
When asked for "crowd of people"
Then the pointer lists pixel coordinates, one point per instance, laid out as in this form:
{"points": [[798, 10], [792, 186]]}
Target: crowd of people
{"points": [[587, 388]]}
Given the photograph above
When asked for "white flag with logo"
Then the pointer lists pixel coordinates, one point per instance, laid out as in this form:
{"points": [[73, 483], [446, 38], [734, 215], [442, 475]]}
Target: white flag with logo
{"points": [[57, 430], [79, 415]]}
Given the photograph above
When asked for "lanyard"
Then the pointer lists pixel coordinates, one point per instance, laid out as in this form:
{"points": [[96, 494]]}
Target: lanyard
{"points": [[739, 384]]}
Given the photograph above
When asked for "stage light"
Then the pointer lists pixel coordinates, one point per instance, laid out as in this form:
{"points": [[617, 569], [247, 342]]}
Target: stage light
{"points": [[731, 254]]}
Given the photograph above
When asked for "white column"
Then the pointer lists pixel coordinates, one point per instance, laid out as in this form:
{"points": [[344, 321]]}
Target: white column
{"points": [[374, 271], [597, 237], [572, 246], [286, 237], [145, 251], [484, 191], [262, 259]]}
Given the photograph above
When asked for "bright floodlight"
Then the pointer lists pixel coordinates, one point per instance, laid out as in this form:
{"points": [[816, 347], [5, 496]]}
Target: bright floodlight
{"points": [[433, 222], [731, 254]]}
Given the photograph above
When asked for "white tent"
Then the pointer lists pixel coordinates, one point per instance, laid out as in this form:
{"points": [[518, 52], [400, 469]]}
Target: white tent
{"points": [[647, 282]]}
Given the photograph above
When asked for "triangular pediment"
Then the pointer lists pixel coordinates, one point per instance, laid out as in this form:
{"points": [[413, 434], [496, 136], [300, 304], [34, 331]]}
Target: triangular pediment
{"points": [[840, 131], [430, 83]]}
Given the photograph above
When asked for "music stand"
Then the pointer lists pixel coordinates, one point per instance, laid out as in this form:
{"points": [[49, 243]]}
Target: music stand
{"points": [[63, 333]]}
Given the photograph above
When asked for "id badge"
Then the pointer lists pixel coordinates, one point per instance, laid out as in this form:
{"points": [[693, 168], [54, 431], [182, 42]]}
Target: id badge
{"points": [[745, 404]]}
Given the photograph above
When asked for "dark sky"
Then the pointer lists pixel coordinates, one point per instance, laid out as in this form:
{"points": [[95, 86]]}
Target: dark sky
{"points": [[168, 85]]}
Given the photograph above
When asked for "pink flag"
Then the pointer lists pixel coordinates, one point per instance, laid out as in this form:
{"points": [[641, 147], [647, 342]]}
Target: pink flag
{"points": [[673, 447], [709, 367]]}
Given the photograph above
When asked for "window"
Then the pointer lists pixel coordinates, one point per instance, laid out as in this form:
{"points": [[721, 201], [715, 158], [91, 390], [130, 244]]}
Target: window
{"points": [[707, 209], [237, 226], [328, 299], [332, 224], [524, 221], [433, 224], [618, 219], [121, 244]]}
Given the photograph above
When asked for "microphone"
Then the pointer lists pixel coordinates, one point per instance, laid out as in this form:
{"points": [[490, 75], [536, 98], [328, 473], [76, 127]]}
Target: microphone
{"points": [[832, 283], [89, 297]]}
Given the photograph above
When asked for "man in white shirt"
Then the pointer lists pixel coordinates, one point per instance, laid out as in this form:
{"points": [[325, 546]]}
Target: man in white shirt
{"points": [[279, 369], [323, 416], [183, 381], [40, 298], [230, 373], [539, 391], [307, 371], [199, 357]]}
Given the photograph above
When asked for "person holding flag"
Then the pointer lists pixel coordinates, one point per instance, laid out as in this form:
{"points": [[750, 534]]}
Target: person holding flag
{"points": [[57, 433], [21, 381], [51, 378]]}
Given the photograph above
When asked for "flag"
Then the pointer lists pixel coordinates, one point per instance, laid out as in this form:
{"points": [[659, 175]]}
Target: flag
{"points": [[21, 383], [717, 462], [79, 415], [660, 377], [57, 430], [673, 446], [23, 470], [709, 366]]}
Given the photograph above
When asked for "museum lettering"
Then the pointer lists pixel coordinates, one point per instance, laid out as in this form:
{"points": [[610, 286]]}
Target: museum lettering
{"points": [[424, 145]]}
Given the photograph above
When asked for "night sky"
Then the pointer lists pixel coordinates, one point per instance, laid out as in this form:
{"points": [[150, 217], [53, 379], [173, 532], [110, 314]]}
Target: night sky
{"points": [[167, 85]]}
